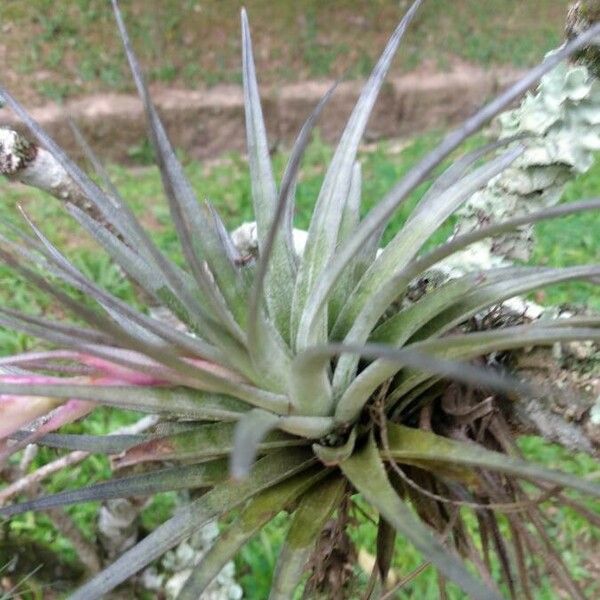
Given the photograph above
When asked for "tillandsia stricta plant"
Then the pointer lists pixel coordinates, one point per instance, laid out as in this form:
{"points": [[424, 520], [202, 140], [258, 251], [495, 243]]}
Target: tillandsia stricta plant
{"points": [[299, 379]]}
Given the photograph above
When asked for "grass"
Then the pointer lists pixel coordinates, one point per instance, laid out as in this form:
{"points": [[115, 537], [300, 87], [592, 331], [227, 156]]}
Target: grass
{"points": [[225, 182], [56, 49]]}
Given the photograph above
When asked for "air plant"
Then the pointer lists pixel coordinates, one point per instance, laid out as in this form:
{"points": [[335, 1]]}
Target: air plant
{"points": [[303, 379]]}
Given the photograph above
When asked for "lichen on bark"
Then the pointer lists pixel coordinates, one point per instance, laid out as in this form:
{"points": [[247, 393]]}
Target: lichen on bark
{"points": [[561, 125], [16, 153]]}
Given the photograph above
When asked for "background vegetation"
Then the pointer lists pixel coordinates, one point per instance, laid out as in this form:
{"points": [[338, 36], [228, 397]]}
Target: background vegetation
{"points": [[55, 49]]}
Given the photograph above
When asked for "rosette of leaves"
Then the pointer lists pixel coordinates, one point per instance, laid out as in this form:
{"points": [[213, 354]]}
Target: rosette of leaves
{"points": [[294, 386]]}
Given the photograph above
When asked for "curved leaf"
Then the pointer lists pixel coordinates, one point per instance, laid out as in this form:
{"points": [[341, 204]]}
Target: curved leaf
{"points": [[324, 227], [177, 401], [349, 222], [423, 364], [406, 245], [278, 278], [102, 444], [307, 427], [203, 442], [314, 509], [366, 472], [472, 345], [456, 171], [383, 211], [461, 299], [201, 234], [481, 297], [424, 447], [333, 455], [248, 434]]}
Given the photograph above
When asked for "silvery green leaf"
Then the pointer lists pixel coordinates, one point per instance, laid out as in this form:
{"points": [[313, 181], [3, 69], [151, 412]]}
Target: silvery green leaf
{"points": [[349, 222], [382, 212], [368, 301], [250, 431], [406, 245], [200, 234], [408, 444], [144, 484], [366, 472], [223, 497], [314, 509], [205, 442], [468, 346], [444, 308], [272, 248], [280, 277], [324, 227], [103, 444], [176, 400]]}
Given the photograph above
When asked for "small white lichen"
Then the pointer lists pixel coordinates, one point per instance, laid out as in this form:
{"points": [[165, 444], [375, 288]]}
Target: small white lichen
{"points": [[595, 413], [11, 158], [245, 239], [177, 566]]}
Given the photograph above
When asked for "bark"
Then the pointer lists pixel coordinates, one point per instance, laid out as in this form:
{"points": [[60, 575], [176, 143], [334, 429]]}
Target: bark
{"points": [[581, 16], [25, 162], [177, 565], [571, 417]]}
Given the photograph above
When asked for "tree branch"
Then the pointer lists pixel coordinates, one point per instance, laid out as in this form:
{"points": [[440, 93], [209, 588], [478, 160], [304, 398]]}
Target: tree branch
{"points": [[23, 161], [571, 418], [27, 163]]}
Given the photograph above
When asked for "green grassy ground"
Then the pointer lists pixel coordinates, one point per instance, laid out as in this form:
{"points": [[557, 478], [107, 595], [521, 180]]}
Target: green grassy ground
{"points": [[225, 182], [55, 49]]}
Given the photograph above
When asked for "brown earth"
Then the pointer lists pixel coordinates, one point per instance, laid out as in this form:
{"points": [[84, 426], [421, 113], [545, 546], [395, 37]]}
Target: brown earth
{"points": [[209, 122]]}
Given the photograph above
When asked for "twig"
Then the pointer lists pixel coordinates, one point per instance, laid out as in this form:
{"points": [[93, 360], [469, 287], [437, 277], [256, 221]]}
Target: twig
{"points": [[87, 553], [30, 164], [68, 460], [23, 161], [29, 454], [40, 474], [504, 507]]}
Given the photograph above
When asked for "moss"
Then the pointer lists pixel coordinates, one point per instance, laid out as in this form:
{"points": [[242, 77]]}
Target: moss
{"points": [[590, 10], [581, 16]]}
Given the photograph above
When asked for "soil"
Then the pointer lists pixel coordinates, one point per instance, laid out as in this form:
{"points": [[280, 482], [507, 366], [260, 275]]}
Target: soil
{"points": [[454, 56], [208, 123]]}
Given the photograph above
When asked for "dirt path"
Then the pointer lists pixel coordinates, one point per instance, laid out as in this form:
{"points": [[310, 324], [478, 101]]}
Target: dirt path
{"points": [[207, 123]]}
